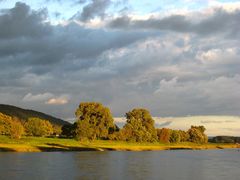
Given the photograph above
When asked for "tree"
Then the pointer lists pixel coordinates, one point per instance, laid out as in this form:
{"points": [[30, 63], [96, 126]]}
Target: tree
{"points": [[94, 121], [16, 129], [164, 135], [139, 126], [68, 130], [11, 126], [5, 122], [196, 134], [48, 128], [57, 130], [175, 136], [38, 127], [184, 136], [84, 131]]}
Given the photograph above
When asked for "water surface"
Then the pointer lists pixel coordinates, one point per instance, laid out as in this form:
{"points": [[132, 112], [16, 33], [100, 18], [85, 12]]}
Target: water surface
{"points": [[161, 165]]}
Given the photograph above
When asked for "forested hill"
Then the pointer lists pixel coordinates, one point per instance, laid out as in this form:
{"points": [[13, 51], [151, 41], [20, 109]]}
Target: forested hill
{"points": [[24, 114]]}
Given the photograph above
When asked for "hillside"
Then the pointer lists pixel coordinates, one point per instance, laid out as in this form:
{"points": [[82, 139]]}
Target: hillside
{"points": [[24, 114]]}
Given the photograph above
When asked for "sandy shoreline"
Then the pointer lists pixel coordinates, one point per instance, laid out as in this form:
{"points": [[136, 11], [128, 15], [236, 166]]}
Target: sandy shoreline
{"points": [[61, 148]]}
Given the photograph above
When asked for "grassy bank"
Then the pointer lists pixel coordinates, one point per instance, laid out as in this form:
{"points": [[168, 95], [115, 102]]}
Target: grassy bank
{"points": [[39, 144]]}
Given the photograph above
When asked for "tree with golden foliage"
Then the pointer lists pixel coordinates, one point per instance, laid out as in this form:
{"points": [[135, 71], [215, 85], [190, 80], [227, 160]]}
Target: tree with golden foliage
{"points": [[94, 121], [38, 127], [57, 130], [197, 135], [5, 122], [16, 129], [139, 127], [164, 135], [11, 126]]}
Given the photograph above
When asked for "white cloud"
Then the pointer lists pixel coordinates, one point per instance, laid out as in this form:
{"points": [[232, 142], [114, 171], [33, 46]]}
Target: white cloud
{"points": [[48, 98], [37, 97], [228, 6], [218, 56], [58, 100]]}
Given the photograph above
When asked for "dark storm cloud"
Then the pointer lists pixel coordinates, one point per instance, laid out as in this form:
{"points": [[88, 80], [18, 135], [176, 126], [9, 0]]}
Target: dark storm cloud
{"points": [[93, 9], [70, 42], [22, 21], [34, 46], [220, 21]]}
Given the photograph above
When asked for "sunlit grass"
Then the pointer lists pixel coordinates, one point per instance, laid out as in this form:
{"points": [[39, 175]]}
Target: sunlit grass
{"points": [[38, 144]]}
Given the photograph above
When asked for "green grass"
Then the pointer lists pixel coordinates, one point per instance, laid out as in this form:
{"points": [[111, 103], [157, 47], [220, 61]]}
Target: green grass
{"points": [[39, 144]]}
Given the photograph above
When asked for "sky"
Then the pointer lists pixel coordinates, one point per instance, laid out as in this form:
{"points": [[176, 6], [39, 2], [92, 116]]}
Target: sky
{"points": [[175, 58]]}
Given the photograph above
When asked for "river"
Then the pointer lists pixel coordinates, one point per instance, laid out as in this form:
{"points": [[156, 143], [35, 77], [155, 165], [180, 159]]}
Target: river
{"points": [[146, 165]]}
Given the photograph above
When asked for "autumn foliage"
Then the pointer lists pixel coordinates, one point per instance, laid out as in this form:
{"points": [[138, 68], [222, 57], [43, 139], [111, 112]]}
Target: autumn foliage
{"points": [[95, 121]]}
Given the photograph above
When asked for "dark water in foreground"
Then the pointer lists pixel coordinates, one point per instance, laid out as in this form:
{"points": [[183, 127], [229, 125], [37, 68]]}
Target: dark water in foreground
{"points": [[171, 165]]}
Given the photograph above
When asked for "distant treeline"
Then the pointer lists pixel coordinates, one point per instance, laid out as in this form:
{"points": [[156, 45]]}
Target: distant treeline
{"points": [[225, 139], [95, 121]]}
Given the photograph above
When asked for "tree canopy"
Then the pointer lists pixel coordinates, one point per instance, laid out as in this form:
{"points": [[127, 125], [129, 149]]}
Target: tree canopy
{"points": [[164, 135], [38, 127], [139, 126], [11, 126], [94, 121], [196, 134]]}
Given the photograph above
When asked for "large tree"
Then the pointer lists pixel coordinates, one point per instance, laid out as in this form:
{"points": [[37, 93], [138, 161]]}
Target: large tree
{"points": [[139, 126], [94, 121]]}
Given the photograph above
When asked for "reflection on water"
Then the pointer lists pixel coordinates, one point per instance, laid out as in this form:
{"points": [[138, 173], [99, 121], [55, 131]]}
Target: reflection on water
{"points": [[181, 165]]}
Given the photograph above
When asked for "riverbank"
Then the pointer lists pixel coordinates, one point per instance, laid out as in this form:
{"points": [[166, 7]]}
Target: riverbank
{"points": [[38, 144]]}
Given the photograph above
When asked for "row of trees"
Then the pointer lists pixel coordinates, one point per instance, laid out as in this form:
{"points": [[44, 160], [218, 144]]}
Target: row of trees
{"points": [[225, 139], [94, 121], [194, 134], [13, 127]]}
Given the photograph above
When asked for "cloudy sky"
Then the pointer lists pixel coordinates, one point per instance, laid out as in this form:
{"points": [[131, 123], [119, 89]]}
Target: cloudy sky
{"points": [[175, 58]]}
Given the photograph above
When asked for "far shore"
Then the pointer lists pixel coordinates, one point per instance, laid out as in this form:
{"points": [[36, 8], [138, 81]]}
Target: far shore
{"points": [[35, 144]]}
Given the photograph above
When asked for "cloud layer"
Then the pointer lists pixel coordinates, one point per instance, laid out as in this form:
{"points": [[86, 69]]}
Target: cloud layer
{"points": [[93, 9], [219, 21], [174, 65]]}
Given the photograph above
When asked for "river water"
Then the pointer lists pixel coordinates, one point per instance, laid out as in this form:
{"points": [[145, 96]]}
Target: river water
{"points": [[146, 165]]}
